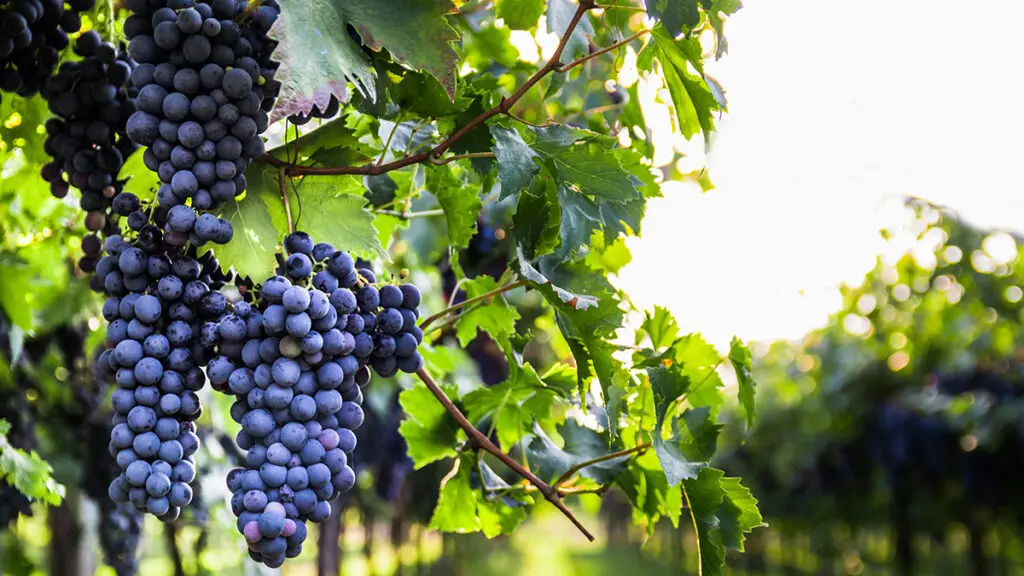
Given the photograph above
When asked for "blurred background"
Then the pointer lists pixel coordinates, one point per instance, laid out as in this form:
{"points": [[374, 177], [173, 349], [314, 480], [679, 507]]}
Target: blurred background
{"points": [[860, 225]]}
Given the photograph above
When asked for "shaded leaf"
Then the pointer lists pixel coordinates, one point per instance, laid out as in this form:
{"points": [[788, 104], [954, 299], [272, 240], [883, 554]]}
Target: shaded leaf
{"points": [[742, 363], [456, 504], [677, 16], [318, 57], [513, 405], [581, 445], [517, 166], [536, 222], [497, 318]]}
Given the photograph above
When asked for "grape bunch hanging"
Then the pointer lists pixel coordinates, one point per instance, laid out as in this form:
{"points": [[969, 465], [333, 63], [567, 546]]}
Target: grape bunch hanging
{"points": [[205, 85], [296, 361]]}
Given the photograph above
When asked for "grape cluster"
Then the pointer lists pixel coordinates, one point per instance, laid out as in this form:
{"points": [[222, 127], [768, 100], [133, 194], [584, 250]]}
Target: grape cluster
{"points": [[87, 138], [205, 86], [156, 306], [32, 34], [295, 363]]}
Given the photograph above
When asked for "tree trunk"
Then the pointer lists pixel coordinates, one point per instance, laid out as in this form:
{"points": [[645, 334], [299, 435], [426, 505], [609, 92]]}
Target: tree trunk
{"points": [[65, 547], [328, 559], [976, 537]]}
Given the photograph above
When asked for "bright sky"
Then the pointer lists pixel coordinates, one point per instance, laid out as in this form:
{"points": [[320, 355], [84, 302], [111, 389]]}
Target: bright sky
{"points": [[833, 107]]}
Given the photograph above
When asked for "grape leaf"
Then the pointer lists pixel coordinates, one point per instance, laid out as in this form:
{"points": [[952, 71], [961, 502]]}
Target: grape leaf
{"points": [[647, 489], [460, 202], [668, 384], [318, 56], [723, 511], [141, 181], [576, 301], [27, 472], [456, 509], [589, 168], [677, 16], [742, 363], [331, 209], [704, 496], [738, 514], [581, 445], [718, 8], [661, 328], [560, 13], [251, 251], [14, 277], [520, 14], [334, 143], [517, 166], [429, 431], [694, 103], [537, 220], [496, 317], [513, 404]]}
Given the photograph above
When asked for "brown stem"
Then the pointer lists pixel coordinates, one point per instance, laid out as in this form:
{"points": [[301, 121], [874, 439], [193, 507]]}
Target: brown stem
{"points": [[568, 473], [502, 107], [511, 286], [604, 50], [443, 161], [485, 444], [282, 178]]}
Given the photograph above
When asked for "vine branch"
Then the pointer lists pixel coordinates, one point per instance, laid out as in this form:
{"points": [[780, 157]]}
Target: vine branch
{"points": [[470, 301], [282, 180], [484, 443], [402, 215], [504, 107], [569, 473]]}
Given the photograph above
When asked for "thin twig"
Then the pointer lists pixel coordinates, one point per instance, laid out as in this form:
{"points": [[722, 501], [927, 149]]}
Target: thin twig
{"points": [[484, 443], [501, 289], [410, 215], [502, 107], [443, 161], [604, 50], [522, 120], [569, 473], [696, 531], [282, 181]]}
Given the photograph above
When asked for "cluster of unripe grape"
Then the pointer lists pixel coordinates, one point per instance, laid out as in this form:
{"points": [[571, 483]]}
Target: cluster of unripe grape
{"points": [[295, 360]]}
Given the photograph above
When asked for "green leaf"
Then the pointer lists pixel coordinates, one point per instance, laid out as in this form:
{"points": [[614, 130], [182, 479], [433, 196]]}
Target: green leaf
{"points": [[251, 251], [14, 277], [141, 181], [677, 16], [692, 98], [661, 328], [517, 165], [497, 318], [704, 495], [742, 363], [334, 143], [27, 472], [489, 46], [560, 14], [668, 384], [718, 8], [513, 405], [581, 445], [700, 360], [429, 431], [645, 485], [380, 189], [318, 57], [536, 222], [520, 14], [461, 204], [456, 504], [738, 514], [339, 219], [585, 162], [698, 438], [723, 511]]}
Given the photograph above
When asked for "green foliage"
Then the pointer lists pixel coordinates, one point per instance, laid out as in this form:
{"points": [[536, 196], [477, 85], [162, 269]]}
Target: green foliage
{"points": [[27, 472], [442, 168]]}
